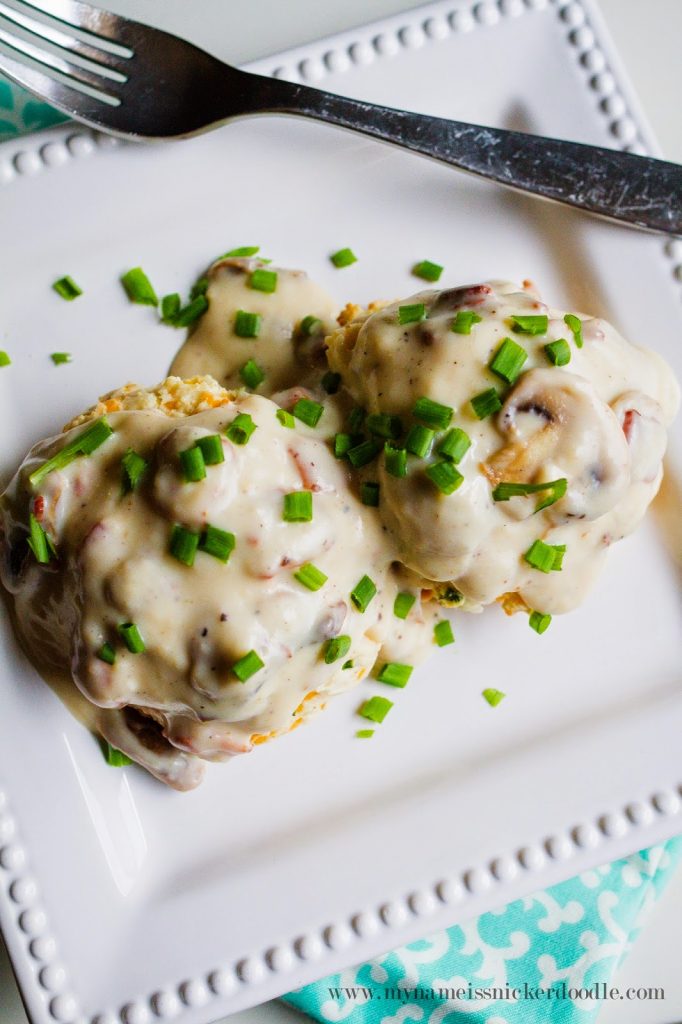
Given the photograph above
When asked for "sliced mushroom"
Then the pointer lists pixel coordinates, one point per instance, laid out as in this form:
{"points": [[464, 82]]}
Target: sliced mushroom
{"points": [[642, 421]]}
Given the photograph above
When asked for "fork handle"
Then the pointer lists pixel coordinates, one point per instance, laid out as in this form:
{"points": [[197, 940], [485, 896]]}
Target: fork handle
{"points": [[638, 190]]}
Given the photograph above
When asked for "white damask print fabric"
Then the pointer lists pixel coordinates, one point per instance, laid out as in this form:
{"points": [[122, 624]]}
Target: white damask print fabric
{"points": [[546, 959]]}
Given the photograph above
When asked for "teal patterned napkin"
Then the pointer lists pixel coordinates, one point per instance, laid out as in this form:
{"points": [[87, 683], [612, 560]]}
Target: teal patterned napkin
{"points": [[571, 936]]}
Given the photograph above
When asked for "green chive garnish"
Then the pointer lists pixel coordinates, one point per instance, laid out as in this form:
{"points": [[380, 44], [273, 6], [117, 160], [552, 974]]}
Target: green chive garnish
{"points": [[67, 288], [508, 360], [309, 325], [336, 648], [342, 444], [413, 313], [576, 328], [419, 440], [558, 352], [347, 664], [363, 453], [170, 307], [343, 258], [248, 666], [311, 577], [183, 544], [212, 449], [369, 494], [363, 593], [298, 507], [395, 460], [395, 674], [308, 412], [444, 475], [559, 552], [38, 541], [191, 312], [557, 488], [356, 419], [427, 270], [493, 696], [247, 325], [486, 403], [115, 758], [402, 606], [545, 557], [375, 709], [240, 429], [242, 252], [4, 359], [131, 637], [133, 466], [60, 357], [251, 374], [331, 382], [364, 734], [218, 543], [286, 419], [85, 444], [263, 280], [454, 445], [200, 287], [539, 621], [530, 324], [383, 425], [442, 633], [107, 653], [433, 414], [464, 321], [138, 287], [193, 465]]}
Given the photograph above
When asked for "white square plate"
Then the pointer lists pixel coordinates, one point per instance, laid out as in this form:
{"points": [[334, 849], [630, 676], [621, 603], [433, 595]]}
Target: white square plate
{"points": [[121, 900]]}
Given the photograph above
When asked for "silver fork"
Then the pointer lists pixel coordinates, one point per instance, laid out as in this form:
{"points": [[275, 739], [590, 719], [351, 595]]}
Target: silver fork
{"points": [[140, 83]]}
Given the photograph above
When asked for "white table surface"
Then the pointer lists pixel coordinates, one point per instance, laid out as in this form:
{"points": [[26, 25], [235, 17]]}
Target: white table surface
{"points": [[648, 34]]}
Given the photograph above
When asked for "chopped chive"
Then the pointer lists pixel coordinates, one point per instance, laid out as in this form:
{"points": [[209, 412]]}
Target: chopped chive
{"points": [[530, 324], [464, 321], [211, 448], [356, 419], [242, 252], [508, 360], [4, 359], [60, 357], [107, 653], [138, 287], [38, 541], [331, 382], [558, 352], [413, 313], [183, 544], [248, 666], [170, 307], [427, 270], [539, 621], [342, 444], [347, 664], [433, 414], [85, 443], [419, 440], [67, 288], [363, 593], [493, 696], [383, 425], [557, 488], [545, 557], [298, 507], [442, 633], [362, 454], [402, 606], [251, 374], [309, 325], [448, 595], [394, 674], [369, 494], [343, 258], [395, 460], [575, 326], [241, 428], [364, 734], [285, 418], [200, 287], [114, 757], [454, 445], [444, 475], [131, 637], [308, 412], [375, 709], [134, 466], [193, 465], [311, 577], [486, 403], [216, 542], [191, 312], [247, 325], [336, 648], [263, 280]]}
